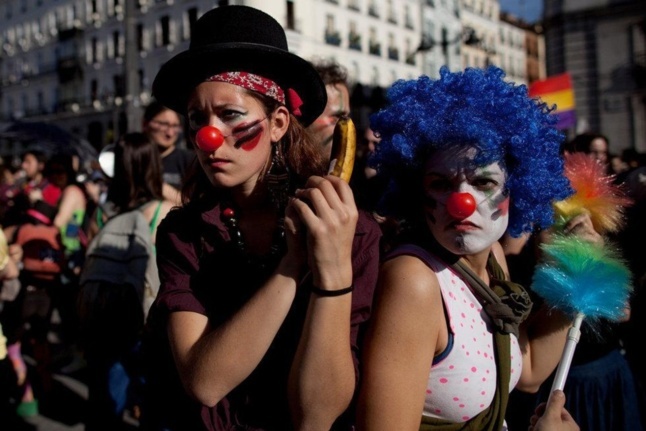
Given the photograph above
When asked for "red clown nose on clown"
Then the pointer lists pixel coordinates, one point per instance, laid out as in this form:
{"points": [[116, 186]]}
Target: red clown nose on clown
{"points": [[209, 138], [460, 205]]}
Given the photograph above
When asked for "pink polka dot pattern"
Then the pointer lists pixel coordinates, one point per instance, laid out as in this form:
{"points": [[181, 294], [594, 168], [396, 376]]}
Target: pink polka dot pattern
{"points": [[462, 384]]}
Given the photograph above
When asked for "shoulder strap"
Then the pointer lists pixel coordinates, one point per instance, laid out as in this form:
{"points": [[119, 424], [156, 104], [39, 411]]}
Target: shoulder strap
{"points": [[153, 221], [420, 252]]}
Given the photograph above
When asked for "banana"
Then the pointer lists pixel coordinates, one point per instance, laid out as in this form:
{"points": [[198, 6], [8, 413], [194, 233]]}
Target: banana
{"points": [[344, 146]]}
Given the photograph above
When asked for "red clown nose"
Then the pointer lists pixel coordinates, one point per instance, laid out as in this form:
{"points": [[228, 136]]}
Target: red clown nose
{"points": [[209, 138], [460, 205]]}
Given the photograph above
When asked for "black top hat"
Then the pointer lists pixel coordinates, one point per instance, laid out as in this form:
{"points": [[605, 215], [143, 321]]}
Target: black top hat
{"points": [[239, 39]]}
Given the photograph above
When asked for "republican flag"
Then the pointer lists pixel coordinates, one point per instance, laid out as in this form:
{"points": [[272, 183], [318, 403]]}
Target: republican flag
{"points": [[557, 90]]}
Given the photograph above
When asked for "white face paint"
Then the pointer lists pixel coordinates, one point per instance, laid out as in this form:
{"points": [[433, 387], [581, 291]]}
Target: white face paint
{"points": [[452, 171]]}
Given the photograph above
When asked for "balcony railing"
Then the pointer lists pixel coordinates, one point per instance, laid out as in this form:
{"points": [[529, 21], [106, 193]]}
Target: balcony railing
{"points": [[333, 38]]}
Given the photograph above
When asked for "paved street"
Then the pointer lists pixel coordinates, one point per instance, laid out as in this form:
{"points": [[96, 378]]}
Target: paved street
{"points": [[63, 410]]}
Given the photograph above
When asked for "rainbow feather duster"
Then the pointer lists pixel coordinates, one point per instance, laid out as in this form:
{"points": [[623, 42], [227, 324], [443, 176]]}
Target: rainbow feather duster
{"points": [[579, 277], [585, 280], [595, 192]]}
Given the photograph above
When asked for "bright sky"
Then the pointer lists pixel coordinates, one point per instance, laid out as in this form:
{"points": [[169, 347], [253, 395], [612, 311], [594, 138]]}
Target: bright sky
{"points": [[529, 10]]}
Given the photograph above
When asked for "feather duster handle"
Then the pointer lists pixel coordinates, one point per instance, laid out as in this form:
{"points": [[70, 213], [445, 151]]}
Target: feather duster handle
{"points": [[595, 192]]}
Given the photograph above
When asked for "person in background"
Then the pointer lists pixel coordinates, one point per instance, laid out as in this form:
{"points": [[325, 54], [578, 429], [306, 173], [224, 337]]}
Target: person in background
{"points": [[111, 333], [26, 314], [164, 127], [33, 186], [10, 389], [600, 374], [268, 268], [70, 218], [335, 78], [594, 144], [9, 187], [449, 336], [367, 186]]}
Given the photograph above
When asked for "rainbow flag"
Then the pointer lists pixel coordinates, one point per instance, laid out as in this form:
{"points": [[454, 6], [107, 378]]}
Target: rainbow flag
{"points": [[557, 90]]}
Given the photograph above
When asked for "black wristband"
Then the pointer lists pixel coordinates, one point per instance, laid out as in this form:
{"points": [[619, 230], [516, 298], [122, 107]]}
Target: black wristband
{"points": [[320, 292]]}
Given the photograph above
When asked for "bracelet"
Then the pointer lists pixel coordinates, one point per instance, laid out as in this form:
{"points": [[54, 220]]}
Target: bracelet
{"points": [[320, 292]]}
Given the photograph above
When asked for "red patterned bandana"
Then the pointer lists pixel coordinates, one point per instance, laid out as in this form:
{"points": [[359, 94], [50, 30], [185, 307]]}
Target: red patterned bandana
{"points": [[260, 85], [252, 82]]}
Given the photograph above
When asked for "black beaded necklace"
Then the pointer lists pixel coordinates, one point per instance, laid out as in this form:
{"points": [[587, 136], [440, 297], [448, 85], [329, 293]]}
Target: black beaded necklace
{"points": [[278, 245]]}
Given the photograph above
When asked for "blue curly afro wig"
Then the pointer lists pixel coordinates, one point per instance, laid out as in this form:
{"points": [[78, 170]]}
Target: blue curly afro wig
{"points": [[475, 107]]}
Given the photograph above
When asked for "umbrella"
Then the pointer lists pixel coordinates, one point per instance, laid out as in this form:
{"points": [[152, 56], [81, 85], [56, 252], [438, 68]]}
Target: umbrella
{"points": [[49, 138]]}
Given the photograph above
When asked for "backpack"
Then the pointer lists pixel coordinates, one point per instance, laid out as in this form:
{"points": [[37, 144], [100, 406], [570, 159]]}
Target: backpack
{"points": [[43, 254], [119, 279]]}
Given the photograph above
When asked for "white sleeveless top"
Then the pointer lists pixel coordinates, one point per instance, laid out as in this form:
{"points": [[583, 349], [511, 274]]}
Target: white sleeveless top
{"points": [[463, 379]]}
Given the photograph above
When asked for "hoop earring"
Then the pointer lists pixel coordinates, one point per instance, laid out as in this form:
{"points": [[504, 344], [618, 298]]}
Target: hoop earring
{"points": [[278, 179]]}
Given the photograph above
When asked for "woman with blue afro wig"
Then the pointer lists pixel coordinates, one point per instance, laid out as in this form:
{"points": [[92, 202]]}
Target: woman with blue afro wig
{"points": [[469, 157], [480, 108]]}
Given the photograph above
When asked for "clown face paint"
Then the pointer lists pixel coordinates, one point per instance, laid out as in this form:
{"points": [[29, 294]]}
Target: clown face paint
{"points": [[452, 171], [243, 152]]}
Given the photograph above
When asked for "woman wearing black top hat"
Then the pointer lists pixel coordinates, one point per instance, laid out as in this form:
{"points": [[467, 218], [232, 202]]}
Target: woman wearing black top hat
{"points": [[268, 268]]}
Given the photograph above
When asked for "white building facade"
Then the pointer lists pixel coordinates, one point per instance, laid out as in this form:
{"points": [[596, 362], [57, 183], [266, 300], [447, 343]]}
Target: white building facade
{"points": [[88, 65]]}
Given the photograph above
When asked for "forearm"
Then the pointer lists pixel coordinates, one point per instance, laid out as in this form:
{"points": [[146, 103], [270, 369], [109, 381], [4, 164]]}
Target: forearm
{"points": [[322, 377], [213, 361], [542, 341]]}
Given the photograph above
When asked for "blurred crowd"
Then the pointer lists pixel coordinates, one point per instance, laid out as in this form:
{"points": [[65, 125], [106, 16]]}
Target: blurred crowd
{"points": [[51, 206]]}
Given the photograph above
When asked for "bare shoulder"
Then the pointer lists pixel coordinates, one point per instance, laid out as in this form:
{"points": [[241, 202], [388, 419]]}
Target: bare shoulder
{"points": [[409, 278], [409, 307], [166, 207], [73, 192]]}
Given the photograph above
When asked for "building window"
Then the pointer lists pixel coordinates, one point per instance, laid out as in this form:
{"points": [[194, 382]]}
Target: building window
{"points": [[163, 33], [291, 18], [332, 36], [410, 54], [408, 20], [354, 38], [353, 5], [393, 51], [94, 90], [119, 47], [94, 51], [188, 22], [374, 46], [140, 37], [372, 9], [392, 17], [40, 99], [119, 83]]}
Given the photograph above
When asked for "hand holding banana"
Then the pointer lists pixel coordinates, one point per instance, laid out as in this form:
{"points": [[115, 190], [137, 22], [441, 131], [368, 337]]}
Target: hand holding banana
{"points": [[344, 146]]}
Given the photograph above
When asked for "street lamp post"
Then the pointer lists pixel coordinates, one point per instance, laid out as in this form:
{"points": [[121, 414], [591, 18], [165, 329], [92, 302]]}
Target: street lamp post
{"points": [[131, 68], [466, 36]]}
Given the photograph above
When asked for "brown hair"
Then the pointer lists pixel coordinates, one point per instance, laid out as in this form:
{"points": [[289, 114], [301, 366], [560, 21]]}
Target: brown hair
{"points": [[137, 172]]}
